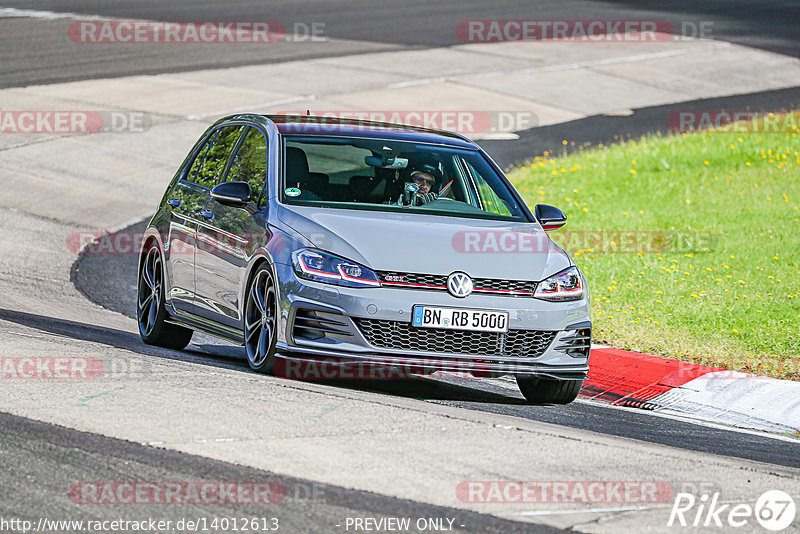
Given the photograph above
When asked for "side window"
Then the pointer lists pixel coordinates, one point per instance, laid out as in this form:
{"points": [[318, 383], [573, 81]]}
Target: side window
{"points": [[491, 202], [211, 168], [250, 162], [201, 155]]}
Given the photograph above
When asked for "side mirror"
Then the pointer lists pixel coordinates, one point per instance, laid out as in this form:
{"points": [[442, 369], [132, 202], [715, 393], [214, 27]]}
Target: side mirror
{"points": [[550, 217], [236, 194]]}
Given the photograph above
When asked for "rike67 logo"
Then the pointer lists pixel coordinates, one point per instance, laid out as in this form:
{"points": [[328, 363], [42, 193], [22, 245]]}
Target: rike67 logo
{"points": [[774, 510]]}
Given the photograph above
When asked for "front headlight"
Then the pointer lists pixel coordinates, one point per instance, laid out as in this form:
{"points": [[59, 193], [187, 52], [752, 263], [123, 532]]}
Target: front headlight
{"points": [[566, 285], [325, 267]]}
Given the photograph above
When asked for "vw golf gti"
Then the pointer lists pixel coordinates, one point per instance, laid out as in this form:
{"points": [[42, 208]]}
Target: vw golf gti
{"points": [[362, 243]]}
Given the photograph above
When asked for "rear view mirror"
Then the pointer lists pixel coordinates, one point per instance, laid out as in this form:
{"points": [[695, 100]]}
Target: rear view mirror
{"points": [[550, 217], [235, 194], [386, 162]]}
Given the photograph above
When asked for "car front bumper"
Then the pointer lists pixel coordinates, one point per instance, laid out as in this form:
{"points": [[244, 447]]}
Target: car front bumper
{"points": [[326, 322]]}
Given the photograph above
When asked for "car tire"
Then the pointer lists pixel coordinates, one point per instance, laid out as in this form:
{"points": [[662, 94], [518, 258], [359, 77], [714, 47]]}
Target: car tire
{"points": [[261, 320], [549, 391], [151, 313]]}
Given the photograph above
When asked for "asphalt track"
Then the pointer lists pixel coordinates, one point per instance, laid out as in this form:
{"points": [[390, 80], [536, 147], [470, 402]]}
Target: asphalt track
{"points": [[53, 455], [33, 50], [608, 129]]}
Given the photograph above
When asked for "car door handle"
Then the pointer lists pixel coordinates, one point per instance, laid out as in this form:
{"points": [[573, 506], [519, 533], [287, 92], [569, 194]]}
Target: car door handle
{"points": [[174, 202], [207, 214]]}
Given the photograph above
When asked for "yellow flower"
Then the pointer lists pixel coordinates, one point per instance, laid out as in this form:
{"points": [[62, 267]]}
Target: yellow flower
{"points": [[688, 201], [735, 330], [633, 171], [705, 162]]}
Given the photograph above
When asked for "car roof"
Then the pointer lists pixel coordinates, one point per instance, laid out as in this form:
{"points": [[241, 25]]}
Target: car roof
{"points": [[342, 127]]}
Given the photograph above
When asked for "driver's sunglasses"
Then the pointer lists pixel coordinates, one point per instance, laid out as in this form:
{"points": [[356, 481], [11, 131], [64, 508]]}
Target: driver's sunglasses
{"points": [[426, 180]]}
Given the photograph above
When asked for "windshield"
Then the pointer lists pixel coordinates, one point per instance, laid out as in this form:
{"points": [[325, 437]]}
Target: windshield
{"points": [[388, 175]]}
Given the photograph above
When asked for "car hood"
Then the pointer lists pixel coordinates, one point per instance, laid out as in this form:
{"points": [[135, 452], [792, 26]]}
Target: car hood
{"points": [[430, 244]]}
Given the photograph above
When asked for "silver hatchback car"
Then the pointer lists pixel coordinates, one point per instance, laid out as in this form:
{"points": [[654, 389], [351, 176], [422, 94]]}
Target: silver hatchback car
{"points": [[358, 243]]}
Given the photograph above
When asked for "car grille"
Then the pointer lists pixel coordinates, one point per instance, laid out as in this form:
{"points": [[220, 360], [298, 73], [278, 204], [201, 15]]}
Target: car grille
{"points": [[402, 336], [517, 288]]}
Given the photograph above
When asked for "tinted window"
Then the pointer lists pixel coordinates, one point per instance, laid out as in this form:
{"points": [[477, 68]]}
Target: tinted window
{"points": [[250, 162], [390, 175], [489, 198], [201, 154], [209, 172]]}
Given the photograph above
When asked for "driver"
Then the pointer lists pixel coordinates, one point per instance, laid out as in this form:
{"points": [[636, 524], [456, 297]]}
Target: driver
{"points": [[426, 183]]}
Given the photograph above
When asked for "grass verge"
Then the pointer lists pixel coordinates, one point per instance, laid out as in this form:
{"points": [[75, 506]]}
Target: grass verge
{"points": [[690, 242]]}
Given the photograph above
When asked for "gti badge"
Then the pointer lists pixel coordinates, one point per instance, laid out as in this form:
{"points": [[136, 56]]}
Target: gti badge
{"points": [[459, 284]]}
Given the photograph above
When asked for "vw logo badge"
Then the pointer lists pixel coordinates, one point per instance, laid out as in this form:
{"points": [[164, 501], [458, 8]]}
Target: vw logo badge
{"points": [[459, 284]]}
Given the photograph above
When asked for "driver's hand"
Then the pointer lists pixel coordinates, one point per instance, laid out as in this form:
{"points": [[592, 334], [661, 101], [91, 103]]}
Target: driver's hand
{"points": [[424, 198]]}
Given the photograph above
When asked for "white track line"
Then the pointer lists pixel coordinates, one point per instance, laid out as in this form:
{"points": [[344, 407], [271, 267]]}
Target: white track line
{"points": [[12, 13], [688, 419], [509, 383], [551, 68], [535, 513]]}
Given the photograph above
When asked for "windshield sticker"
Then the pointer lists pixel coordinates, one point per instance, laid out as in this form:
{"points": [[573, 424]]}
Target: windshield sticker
{"points": [[292, 192]]}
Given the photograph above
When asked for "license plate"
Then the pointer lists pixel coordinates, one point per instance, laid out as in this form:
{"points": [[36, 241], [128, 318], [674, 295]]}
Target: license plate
{"points": [[460, 319]]}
